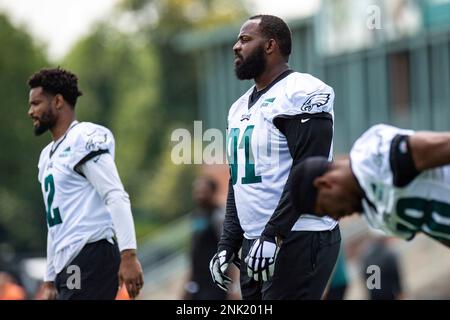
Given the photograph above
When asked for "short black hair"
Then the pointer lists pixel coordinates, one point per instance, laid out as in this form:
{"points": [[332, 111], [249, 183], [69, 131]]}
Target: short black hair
{"points": [[275, 28], [302, 191], [57, 81]]}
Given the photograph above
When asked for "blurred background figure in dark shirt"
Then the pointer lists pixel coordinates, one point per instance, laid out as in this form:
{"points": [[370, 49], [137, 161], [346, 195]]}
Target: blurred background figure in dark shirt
{"points": [[207, 220]]}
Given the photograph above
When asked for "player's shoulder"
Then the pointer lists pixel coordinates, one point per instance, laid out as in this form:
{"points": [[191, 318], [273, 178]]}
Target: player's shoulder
{"points": [[379, 134], [300, 93], [371, 143], [88, 128], [308, 93], [298, 82], [370, 155], [88, 137]]}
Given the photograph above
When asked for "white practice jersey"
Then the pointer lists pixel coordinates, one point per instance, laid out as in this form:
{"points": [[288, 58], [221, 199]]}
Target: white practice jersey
{"points": [[76, 214], [258, 152], [422, 205]]}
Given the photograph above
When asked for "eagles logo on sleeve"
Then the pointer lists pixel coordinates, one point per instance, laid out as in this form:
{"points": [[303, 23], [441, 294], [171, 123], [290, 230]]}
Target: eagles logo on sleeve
{"points": [[316, 100], [97, 142]]}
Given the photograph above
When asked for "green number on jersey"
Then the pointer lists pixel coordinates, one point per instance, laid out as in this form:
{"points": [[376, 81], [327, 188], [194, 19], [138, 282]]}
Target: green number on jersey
{"points": [[423, 215], [232, 158], [246, 143], [55, 218]]}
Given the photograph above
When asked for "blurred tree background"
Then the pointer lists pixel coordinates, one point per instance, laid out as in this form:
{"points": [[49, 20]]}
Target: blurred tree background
{"points": [[136, 82], [22, 221]]}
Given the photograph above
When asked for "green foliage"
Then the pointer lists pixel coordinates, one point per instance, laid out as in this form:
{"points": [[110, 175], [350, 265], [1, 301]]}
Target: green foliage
{"points": [[174, 17], [168, 191], [22, 215], [118, 76], [22, 227]]}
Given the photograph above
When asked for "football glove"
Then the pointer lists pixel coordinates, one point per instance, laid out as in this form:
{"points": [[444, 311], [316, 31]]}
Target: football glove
{"points": [[261, 258], [218, 265]]}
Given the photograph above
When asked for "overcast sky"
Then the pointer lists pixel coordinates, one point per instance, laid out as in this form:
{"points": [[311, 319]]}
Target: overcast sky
{"points": [[74, 18]]}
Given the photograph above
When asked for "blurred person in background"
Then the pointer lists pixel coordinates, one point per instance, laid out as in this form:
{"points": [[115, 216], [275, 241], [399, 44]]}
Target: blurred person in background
{"points": [[207, 221], [10, 289], [91, 243], [339, 280], [380, 254]]}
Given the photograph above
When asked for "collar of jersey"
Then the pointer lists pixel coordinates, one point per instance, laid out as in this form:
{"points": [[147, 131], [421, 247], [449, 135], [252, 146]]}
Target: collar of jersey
{"points": [[257, 94], [60, 140]]}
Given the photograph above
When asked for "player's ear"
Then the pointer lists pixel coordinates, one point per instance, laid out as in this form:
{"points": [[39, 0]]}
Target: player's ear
{"points": [[322, 182], [59, 101], [270, 46]]}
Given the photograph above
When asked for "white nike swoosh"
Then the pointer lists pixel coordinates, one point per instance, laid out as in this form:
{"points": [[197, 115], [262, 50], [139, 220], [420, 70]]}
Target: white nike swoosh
{"points": [[305, 120]]}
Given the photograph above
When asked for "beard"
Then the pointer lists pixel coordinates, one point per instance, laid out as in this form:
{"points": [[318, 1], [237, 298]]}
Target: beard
{"points": [[253, 66], [46, 121]]}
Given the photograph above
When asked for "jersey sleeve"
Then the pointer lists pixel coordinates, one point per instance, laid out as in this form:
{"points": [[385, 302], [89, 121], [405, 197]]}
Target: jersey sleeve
{"points": [[370, 160], [305, 95], [90, 142], [104, 177], [50, 273]]}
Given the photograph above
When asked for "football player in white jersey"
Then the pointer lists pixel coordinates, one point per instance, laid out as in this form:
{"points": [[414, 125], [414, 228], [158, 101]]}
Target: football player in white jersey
{"points": [[399, 179], [285, 117], [87, 209]]}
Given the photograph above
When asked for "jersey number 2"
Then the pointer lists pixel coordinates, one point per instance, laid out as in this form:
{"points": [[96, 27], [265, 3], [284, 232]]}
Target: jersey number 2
{"points": [[53, 216], [246, 143]]}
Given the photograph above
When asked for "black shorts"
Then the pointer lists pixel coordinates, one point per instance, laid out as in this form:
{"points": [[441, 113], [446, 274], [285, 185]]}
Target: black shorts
{"points": [[303, 267], [92, 275]]}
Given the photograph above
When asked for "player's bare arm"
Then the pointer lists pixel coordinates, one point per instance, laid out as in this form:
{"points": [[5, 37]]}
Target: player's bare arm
{"points": [[430, 149]]}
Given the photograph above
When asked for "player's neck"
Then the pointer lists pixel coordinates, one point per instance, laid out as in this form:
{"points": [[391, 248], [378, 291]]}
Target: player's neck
{"points": [[351, 181], [269, 75], [62, 125]]}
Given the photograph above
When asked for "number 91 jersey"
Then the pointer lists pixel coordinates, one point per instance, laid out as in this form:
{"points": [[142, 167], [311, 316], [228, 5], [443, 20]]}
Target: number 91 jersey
{"points": [[75, 212], [258, 153], [422, 205]]}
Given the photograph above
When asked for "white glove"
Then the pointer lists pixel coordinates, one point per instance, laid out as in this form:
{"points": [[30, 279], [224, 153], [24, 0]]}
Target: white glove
{"points": [[261, 258], [218, 265]]}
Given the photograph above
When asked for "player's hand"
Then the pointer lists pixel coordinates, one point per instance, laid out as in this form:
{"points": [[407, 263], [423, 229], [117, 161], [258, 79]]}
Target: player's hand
{"points": [[130, 273], [218, 265], [261, 258], [49, 291]]}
